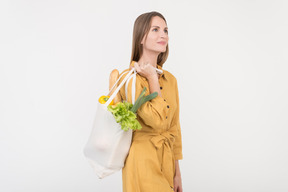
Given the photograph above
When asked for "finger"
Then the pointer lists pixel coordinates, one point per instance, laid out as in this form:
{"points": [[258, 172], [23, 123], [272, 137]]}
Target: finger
{"points": [[142, 65]]}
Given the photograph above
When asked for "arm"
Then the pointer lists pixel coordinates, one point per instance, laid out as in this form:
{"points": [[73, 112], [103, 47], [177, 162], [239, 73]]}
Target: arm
{"points": [[176, 128], [152, 77], [153, 113], [177, 169], [154, 85], [177, 144]]}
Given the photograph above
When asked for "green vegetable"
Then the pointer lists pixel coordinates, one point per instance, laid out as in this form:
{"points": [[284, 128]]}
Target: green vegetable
{"points": [[141, 99], [124, 112], [124, 116]]}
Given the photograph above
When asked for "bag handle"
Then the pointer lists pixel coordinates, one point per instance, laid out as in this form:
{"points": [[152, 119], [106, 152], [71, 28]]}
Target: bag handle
{"points": [[119, 87], [133, 87]]}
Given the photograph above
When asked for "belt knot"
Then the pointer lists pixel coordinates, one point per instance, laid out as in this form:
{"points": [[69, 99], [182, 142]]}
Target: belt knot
{"points": [[166, 140], [163, 138]]}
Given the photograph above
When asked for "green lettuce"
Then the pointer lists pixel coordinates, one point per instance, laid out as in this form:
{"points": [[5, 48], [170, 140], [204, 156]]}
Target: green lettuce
{"points": [[125, 112], [124, 116]]}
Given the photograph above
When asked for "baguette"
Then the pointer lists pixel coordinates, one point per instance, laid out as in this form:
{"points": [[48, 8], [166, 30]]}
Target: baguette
{"points": [[114, 75]]}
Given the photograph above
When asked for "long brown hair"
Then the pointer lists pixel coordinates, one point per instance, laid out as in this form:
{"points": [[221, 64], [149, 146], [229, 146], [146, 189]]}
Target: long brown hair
{"points": [[141, 27]]}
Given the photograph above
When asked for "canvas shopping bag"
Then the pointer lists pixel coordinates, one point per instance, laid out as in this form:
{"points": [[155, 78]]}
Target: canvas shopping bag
{"points": [[108, 145]]}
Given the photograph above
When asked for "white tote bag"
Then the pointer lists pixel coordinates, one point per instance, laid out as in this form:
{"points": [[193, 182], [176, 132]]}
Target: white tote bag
{"points": [[108, 145]]}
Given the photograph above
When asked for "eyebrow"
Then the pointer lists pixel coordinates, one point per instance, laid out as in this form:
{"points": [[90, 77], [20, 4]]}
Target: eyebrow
{"points": [[159, 27]]}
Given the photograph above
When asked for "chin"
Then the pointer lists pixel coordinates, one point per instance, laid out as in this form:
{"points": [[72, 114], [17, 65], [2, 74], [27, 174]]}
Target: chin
{"points": [[163, 49], [160, 50]]}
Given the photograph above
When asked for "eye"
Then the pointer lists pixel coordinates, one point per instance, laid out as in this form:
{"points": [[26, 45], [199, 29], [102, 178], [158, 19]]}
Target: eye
{"points": [[166, 31], [155, 29]]}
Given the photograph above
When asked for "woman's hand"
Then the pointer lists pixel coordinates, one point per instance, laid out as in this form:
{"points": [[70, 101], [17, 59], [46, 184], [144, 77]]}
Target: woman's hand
{"points": [[177, 178], [178, 183], [146, 70]]}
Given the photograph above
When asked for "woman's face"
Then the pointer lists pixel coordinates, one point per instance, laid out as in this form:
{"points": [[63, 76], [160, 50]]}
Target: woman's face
{"points": [[157, 36]]}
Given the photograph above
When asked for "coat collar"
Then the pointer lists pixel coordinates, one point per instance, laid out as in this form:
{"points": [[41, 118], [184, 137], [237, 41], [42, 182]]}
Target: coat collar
{"points": [[163, 75]]}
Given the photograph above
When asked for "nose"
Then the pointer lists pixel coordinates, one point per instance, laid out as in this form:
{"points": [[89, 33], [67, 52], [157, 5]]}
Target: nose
{"points": [[163, 35]]}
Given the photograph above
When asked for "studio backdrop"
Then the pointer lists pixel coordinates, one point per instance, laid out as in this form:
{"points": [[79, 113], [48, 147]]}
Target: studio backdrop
{"points": [[230, 61]]}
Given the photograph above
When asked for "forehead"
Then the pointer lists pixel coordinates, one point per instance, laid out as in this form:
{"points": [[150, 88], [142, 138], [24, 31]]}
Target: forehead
{"points": [[158, 21]]}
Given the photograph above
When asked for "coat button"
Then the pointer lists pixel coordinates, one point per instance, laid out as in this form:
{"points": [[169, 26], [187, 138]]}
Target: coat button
{"points": [[164, 99], [166, 117], [160, 87], [167, 106]]}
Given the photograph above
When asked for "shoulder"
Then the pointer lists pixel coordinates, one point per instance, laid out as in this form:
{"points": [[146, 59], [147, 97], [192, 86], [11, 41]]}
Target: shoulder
{"points": [[124, 72], [170, 77], [168, 74], [139, 78]]}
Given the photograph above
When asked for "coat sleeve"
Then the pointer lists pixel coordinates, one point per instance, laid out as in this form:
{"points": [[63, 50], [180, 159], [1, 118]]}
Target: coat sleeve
{"points": [[175, 125], [154, 112]]}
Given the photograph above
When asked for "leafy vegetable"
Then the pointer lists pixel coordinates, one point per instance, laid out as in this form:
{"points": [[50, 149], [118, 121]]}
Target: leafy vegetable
{"points": [[124, 116], [142, 99], [125, 112]]}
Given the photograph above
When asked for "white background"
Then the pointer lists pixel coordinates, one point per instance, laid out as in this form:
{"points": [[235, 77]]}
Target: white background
{"points": [[231, 62]]}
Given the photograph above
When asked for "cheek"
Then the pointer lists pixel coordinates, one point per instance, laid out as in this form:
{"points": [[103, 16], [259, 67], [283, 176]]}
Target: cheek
{"points": [[152, 36], [151, 39]]}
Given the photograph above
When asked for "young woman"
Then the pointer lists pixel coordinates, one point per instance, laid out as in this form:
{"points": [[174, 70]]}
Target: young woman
{"points": [[152, 163]]}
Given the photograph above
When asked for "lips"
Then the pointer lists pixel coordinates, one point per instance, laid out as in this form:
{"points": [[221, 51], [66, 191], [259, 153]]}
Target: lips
{"points": [[162, 42]]}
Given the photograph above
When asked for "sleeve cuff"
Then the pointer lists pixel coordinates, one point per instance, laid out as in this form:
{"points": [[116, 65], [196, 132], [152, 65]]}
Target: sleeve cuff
{"points": [[178, 156]]}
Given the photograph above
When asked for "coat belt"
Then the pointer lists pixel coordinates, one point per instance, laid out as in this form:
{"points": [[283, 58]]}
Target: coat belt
{"points": [[166, 141]]}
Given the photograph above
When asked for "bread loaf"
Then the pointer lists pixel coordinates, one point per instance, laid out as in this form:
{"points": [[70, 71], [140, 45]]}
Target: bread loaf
{"points": [[114, 75]]}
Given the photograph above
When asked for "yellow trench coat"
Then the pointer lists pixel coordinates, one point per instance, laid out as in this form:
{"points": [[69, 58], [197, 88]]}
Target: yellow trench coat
{"points": [[150, 164]]}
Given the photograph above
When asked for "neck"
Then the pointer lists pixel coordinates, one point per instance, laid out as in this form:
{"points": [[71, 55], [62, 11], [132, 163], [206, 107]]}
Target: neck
{"points": [[149, 57]]}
